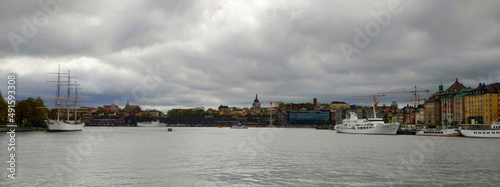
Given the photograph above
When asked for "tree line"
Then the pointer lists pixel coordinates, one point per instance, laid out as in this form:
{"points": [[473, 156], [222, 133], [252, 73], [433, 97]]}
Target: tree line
{"points": [[28, 113]]}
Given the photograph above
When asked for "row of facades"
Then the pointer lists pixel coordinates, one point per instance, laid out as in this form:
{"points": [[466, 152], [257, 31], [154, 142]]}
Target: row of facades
{"points": [[461, 105]]}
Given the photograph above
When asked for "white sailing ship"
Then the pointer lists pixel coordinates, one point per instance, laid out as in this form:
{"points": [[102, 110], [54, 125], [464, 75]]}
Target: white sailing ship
{"points": [[481, 131], [151, 124], [60, 124], [374, 125]]}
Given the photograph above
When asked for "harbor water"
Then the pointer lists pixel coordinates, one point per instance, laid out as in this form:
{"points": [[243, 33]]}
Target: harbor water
{"points": [[210, 156]]}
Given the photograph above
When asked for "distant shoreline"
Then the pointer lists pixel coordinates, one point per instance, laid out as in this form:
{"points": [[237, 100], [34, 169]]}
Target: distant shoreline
{"points": [[21, 129]]}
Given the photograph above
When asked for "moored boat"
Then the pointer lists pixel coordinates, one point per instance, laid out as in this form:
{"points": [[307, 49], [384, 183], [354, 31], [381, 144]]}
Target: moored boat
{"points": [[374, 125], [481, 131], [353, 125], [59, 124], [446, 131]]}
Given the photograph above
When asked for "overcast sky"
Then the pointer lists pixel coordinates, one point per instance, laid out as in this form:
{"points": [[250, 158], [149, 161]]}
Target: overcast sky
{"points": [[171, 54]]}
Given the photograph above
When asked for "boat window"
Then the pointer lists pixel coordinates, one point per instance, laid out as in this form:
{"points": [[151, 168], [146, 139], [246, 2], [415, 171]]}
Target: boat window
{"points": [[488, 133], [475, 132]]}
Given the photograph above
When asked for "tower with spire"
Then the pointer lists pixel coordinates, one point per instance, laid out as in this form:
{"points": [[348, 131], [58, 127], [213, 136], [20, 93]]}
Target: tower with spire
{"points": [[256, 104]]}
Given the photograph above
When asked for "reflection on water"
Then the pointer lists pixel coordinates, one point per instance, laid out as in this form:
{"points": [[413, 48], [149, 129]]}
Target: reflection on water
{"points": [[142, 156]]}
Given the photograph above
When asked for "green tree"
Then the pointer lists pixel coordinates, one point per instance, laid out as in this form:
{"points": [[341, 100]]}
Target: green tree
{"points": [[31, 112], [39, 111], [3, 109], [23, 112]]}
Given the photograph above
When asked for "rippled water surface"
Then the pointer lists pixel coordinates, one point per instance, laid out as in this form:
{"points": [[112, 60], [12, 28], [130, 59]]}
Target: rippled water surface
{"points": [[142, 156]]}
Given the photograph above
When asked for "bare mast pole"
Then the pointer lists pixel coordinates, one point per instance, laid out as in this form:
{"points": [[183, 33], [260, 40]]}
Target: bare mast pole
{"points": [[67, 101], [58, 104], [76, 98]]}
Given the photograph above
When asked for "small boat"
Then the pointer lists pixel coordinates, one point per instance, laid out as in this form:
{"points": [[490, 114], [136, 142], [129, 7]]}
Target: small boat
{"points": [[446, 131], [151, 124], [239, 126], [481, 131]]}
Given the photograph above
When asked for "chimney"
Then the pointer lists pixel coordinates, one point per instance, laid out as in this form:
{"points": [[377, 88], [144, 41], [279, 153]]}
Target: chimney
{"points": [[315, 102]]}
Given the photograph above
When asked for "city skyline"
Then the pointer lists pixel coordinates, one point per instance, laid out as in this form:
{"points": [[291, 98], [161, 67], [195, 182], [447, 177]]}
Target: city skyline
{"points": [[186, 54]]}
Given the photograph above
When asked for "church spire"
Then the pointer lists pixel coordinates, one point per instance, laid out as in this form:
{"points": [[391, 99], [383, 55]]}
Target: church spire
{"points": [[256, 99]]}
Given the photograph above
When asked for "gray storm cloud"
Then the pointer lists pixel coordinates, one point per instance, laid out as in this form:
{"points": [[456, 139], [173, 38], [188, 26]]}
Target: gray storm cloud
{"points": [[169, 54]]}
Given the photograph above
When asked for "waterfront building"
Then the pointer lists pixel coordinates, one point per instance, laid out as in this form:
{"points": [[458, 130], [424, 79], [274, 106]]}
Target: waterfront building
{"points": [[334, 105], [239, 112], [308, 117], [432, 113], [482, 104], [131, 110], [111, 108], [459, 105], [447, 98], [106, 122], [408, 115], [224, 110], [420, 116]]}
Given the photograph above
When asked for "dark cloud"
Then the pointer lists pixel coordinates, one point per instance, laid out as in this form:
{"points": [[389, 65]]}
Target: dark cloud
{"points": [[170, 54]]}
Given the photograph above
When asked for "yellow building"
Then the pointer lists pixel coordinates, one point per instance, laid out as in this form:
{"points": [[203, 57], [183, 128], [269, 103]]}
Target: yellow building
{"points": [[482, 105], [338, 105]]}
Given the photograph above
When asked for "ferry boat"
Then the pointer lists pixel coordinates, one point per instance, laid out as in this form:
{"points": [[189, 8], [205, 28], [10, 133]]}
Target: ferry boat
{"points": [[375, 125], [59, 124], [446, 131], [151, 124], [239, 126], [481, 131]]}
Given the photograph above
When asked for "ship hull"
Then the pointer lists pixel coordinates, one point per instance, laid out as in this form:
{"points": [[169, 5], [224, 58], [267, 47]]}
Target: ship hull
{"points": [[481, 133], [437, 132], [388, 129], [54, 125]]}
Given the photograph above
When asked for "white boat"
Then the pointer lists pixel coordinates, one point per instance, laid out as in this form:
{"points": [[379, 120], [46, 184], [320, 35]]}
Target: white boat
{"points": [[481, 131], [71, 104], [375, 125], [151, 124], [446, 131], [353, 125], [239, 126]]}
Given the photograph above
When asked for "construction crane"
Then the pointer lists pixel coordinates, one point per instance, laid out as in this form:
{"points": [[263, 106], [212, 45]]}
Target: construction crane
{"points": [[417, 100], [415, 96], [375, 102]]}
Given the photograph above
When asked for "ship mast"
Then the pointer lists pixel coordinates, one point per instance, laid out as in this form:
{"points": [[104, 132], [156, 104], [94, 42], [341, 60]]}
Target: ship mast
{"points": [[76, 98], [375, 102], [58, 103], [67, 101]]}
